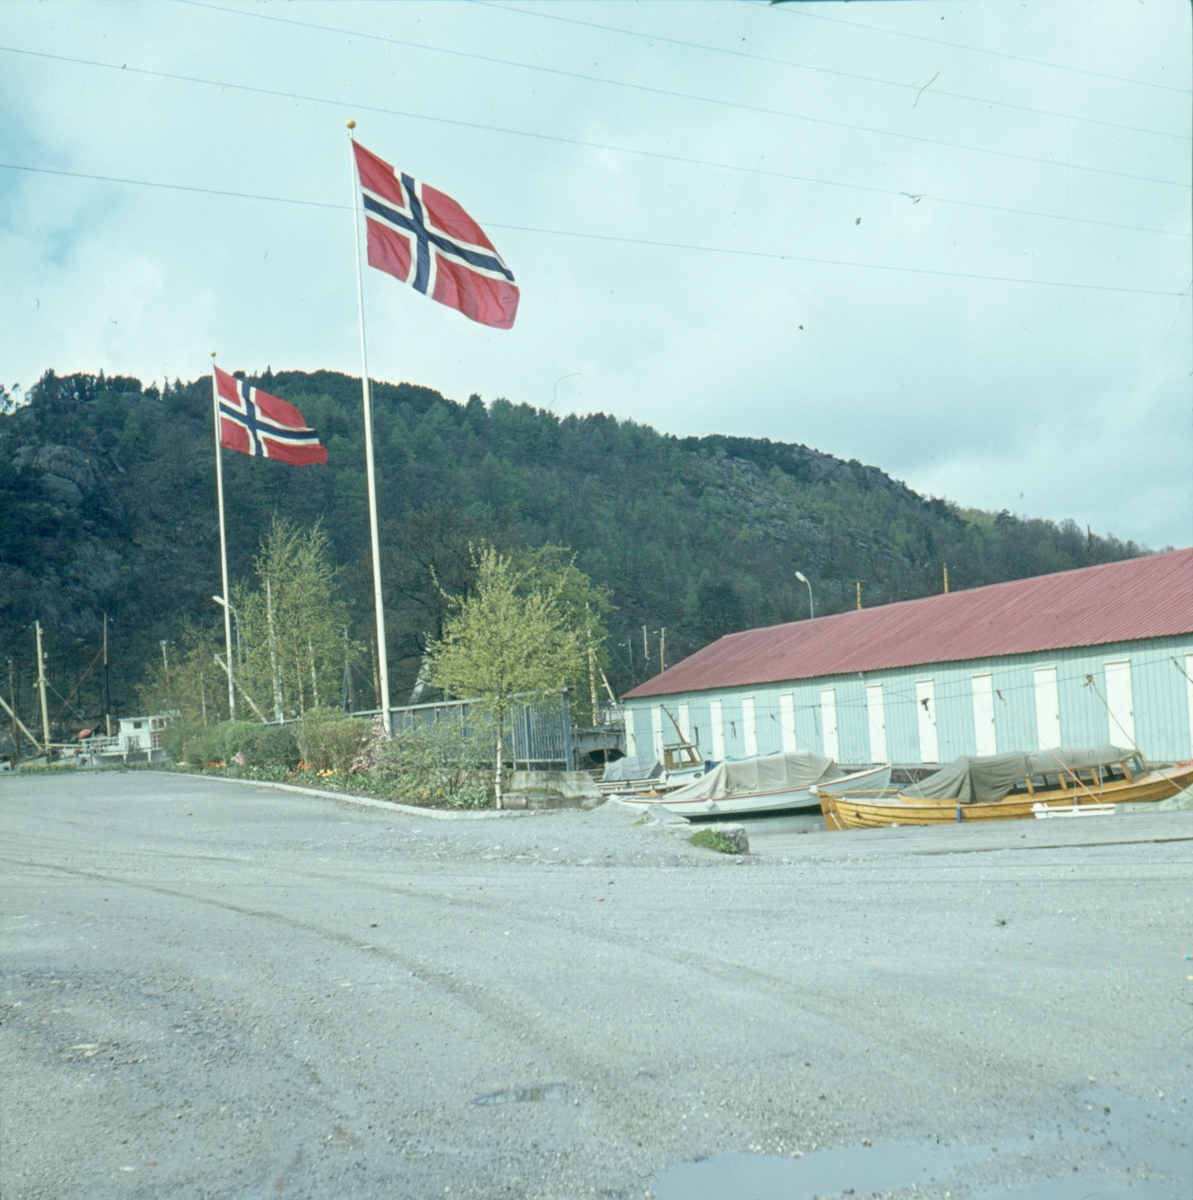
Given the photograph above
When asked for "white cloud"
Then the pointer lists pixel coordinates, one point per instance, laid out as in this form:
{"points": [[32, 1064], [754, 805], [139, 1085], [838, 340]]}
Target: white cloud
{"points": [[1056, 401]]}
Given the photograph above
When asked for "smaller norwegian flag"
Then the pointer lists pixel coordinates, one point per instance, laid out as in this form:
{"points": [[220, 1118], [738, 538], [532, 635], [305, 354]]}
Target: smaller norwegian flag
{"points": [[424, 238], [254, 422]]}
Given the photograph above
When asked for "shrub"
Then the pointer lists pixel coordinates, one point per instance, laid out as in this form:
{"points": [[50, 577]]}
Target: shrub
{"points": [[330, 741], [712, 839], [198, 745], [268, 747], [441, 762]]}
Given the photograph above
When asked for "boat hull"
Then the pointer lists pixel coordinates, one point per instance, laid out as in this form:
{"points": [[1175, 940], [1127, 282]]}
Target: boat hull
{"points": [[759, 802], [860, 812]]}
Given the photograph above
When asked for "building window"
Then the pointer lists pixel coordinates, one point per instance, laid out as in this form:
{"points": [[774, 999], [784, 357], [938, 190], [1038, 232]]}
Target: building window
{"points": [[925, 715], [983, 714]]}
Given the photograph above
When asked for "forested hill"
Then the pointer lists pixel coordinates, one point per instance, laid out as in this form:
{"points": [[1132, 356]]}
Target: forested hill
{"points": [[108, 498]]}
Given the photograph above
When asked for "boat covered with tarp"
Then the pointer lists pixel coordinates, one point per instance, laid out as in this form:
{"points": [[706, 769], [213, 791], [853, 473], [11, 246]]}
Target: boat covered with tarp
{"points": [[999, 787], [763, 783]]}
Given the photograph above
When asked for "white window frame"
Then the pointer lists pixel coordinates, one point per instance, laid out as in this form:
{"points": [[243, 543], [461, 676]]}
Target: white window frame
{"points": [[656, 730]]}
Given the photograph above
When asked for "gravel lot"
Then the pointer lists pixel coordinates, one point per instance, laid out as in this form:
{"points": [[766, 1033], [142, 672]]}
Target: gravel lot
{"points": [[214, 990]]}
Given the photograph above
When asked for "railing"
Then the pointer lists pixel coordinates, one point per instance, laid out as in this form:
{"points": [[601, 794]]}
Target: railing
{"points": [[538, 734]]}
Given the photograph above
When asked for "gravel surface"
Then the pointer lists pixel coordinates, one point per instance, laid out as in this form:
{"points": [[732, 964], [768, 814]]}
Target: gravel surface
{"points": [[212, 990]]}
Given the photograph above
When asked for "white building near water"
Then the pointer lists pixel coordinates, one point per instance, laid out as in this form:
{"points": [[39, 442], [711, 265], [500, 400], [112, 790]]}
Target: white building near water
{"points": [[1100, 654]]}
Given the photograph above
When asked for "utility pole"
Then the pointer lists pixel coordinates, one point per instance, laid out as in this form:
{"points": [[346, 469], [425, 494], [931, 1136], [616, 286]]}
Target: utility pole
{"points": [[858, 582], [12, 708], [645, 650], [946, 579], [107, 690], [273, 653], [41, 687], [662, 649], [166, 669]]}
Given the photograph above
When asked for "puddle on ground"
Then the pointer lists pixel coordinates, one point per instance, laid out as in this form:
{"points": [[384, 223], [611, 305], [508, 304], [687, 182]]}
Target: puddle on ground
{"points": [[1113, 1146], [549, 1091]]}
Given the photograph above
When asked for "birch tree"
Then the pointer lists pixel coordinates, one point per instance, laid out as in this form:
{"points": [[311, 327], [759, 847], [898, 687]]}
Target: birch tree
{"points": [[506, 642]]}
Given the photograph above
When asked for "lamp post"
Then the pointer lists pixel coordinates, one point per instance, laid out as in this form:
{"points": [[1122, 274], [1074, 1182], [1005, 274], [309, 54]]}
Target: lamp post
{"points": [[235, 617], [811, 603]]}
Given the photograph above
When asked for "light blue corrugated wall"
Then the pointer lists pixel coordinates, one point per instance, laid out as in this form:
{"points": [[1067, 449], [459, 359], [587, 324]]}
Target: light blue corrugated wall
{"points": [[1160, 694]]}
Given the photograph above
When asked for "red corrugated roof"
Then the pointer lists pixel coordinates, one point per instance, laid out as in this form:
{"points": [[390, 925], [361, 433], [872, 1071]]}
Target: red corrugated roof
{"points": [[1117, 602]]}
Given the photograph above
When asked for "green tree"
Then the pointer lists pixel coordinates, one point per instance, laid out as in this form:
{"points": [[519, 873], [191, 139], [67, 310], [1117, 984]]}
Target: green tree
{"points": [[584, 606], [508, 641], [293, 623]]}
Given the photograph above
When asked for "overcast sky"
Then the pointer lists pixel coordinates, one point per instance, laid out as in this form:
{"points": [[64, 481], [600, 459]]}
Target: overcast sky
{"points": [[951, 240]]}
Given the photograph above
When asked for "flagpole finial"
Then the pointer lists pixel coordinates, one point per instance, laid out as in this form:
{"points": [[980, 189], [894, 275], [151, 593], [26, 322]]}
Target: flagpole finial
{"points": [[351, 124], [213, 354]]}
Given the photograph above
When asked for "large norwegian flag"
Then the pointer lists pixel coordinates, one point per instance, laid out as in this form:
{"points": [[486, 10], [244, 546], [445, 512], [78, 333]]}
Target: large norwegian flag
{"points": [[254, 422], [425, 239]]}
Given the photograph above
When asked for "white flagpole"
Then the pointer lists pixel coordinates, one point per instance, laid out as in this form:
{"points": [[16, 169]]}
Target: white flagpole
{"points": [[378, 603], [219, 488]]}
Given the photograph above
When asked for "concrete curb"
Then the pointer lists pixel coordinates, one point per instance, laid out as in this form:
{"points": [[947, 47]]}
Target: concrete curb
{"points": [[435, 814]]}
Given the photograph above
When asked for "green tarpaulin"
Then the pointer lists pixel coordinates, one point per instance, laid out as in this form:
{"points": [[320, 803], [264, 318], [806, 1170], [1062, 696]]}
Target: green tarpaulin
{"points": [[987, 779]]}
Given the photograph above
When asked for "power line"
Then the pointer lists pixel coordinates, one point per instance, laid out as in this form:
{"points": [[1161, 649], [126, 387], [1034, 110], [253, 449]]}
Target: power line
{"points": [[655, 91], [602, 146], [784, 62], [1035, 62], [774, 256]]}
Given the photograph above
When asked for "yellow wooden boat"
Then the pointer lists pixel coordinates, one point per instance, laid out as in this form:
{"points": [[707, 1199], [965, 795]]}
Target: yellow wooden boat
{"points": [[1009, 787]]}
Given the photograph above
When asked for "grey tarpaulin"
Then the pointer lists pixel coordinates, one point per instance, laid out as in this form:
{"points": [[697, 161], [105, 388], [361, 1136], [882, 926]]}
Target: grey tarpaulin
{"points": [[632, 767], [799, 770], [987, 779]]}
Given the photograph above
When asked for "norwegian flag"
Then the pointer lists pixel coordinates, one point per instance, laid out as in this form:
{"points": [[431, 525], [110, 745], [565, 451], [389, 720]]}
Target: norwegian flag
{"points": [[425, 239], [254, 422]]}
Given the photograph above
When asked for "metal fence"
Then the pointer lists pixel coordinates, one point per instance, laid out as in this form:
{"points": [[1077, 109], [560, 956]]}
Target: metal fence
{"points": [[538, 734]]}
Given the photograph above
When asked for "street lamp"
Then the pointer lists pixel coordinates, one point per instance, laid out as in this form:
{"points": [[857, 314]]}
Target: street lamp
{"points": [[224, 604], [811, 604]]}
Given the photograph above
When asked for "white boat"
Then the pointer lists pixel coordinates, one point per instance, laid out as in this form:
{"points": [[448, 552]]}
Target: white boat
{"points": [[645, 775], [765, 783]]}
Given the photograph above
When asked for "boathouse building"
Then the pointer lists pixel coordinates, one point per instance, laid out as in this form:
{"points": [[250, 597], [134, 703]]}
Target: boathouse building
{"points": [[1100, 654]]}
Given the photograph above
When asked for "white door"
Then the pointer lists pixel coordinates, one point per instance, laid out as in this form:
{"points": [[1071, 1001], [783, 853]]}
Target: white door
{"points": [[1189, 695], [1118, 700], [983, 714], [876, 716], [1047, 708], [925, 715], [685, 721], [631, 735], [787, 720], [718, 730], [656, 731], [749, 726], [828, 721]]}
